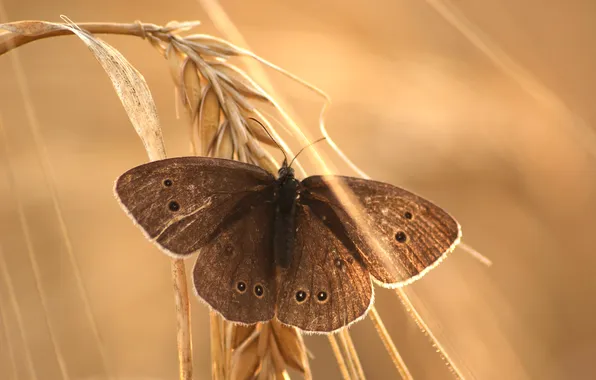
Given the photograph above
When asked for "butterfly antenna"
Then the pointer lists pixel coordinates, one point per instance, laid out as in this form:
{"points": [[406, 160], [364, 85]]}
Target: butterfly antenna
{"points": [[308, 146], [271, 137]]}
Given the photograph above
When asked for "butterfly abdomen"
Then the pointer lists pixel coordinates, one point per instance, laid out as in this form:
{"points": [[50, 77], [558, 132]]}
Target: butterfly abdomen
{"points": [[284, 230]]}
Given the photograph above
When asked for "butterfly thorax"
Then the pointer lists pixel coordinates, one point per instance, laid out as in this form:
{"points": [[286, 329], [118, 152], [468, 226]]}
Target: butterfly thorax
{"points": [[284, 231]]}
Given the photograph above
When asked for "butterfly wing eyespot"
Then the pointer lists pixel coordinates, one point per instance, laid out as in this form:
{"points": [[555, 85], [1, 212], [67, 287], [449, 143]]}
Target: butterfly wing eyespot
{"points": [[322, 297], [301, 296], [241, 286], [259, 291], [174, 206], [400, 235]]}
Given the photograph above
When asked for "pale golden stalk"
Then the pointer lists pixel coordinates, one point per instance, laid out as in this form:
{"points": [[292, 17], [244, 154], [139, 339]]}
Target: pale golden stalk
{"points": [[350, 350], [19, 316], [389, 345], [339, 357]]}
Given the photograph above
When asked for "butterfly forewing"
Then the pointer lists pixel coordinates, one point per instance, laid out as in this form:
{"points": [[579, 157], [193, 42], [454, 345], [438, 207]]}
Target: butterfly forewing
{"points": [[399, 234], [235, 272], [326, 286], [180, 202]]}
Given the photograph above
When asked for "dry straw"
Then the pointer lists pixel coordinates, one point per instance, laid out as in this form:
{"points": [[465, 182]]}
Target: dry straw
{"points": [[221, 103]]}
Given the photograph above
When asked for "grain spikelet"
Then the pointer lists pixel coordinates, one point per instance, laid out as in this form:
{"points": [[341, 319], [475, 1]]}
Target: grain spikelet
{"points": [[208, 120], [192, 86], [238, 80], [175, 61], [291, 347]]}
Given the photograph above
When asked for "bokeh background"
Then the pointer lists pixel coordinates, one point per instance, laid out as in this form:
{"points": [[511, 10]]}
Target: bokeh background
{"points": [[490, 114]]}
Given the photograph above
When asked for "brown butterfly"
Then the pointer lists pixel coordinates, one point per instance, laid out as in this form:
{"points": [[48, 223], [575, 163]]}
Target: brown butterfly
{"points": [[280, 247]]}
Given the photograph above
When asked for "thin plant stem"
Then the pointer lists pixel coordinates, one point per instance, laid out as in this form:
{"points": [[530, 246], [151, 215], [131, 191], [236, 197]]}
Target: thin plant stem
{"points": [[339, 357], [216, 349], [182, 319], [424, 327], [136, 29], [230, 333], [389, 345], [8, 342], [350, 349], [348, 357], [475, 254], [17, 311]]}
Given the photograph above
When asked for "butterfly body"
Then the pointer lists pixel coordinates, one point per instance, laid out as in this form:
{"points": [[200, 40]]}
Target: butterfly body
{"points": [[304, 252], [286, 195]]}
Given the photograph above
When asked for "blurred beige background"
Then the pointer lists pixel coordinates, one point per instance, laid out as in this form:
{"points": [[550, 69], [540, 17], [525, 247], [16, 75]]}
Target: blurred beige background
{"points": [[499, 130]]}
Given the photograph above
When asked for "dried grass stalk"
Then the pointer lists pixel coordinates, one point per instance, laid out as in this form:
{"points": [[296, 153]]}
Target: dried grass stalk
{"points": [[350, 350], [19, 317], [183, 332], [389, 345], [424, 328], [339, 357], [5, 329]]}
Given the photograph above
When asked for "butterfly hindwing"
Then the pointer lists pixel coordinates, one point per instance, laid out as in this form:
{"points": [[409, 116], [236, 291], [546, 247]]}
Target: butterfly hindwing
{"points": [[180, 202], [399, 234], [337, 288], [235, 271]]}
